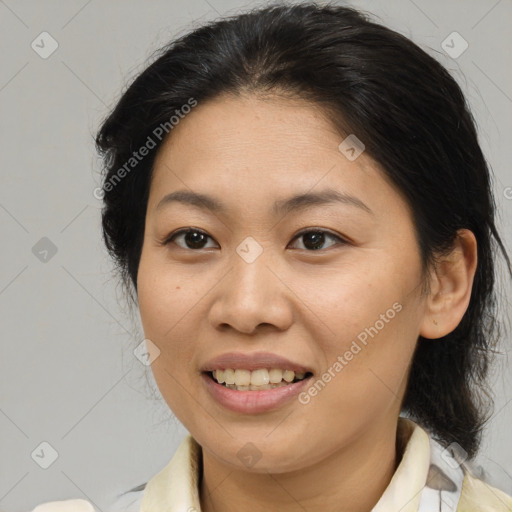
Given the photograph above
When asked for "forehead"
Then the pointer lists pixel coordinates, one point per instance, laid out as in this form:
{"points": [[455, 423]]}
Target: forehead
{"points": [[251, 149], [238, 127]]}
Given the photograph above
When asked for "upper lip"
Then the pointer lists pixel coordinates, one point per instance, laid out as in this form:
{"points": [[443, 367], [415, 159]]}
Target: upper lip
{"points": [[253, 361]]}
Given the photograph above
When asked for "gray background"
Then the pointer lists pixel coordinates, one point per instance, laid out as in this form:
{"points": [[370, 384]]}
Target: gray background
{"points": [[68, 375]]}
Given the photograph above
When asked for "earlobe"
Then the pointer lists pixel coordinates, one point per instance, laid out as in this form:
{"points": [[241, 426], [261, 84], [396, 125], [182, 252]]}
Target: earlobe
{"points": [[450, 287]]}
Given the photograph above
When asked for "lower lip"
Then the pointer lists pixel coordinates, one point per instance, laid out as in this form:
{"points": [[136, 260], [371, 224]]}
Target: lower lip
{"points": [[252, 402]]}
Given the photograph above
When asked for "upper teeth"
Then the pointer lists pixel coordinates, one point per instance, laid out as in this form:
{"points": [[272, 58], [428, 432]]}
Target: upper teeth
{"points": [[258, 377]]}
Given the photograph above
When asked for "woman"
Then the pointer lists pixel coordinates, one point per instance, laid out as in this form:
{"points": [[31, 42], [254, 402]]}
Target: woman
{"points": [[297, 201]]}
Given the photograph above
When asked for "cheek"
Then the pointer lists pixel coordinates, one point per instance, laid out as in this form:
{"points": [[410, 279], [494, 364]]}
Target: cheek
{"points": [[346, 304], [368, 383], [162, 299], [163, 307], [369, 343], [166, 323]]}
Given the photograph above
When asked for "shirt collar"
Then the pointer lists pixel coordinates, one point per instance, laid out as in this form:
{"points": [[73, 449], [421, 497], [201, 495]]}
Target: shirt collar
{"points": [[404, 490], [176, 487]]}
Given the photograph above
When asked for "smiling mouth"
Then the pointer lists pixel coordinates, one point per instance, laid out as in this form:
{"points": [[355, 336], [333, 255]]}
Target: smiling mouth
{"points": [[257, 380]]}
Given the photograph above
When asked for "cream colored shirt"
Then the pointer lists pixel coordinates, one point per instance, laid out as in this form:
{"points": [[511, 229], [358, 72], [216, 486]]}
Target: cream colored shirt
{"points": [[428, 478]]}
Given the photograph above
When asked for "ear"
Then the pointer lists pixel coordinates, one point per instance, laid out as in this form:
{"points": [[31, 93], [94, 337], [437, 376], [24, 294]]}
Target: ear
{"points": [[451, 283]]}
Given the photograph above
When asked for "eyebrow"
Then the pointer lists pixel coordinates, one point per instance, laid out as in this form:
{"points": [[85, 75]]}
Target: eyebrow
{"points": [[280, 207]]}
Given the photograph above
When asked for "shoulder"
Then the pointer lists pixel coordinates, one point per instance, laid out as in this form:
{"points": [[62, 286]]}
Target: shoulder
{"points": [[476, 492], [65, 506], [128, 502]]}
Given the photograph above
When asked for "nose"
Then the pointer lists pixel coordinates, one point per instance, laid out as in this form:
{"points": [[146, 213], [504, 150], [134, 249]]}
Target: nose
{"points": [[250, 295]]}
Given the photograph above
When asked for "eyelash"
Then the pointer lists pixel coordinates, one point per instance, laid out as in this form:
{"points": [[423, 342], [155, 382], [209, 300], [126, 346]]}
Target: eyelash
{"points": [[341, 241]]}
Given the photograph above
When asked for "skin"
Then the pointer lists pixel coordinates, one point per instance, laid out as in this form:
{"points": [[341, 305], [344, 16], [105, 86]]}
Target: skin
{"points": [[305, 304]]}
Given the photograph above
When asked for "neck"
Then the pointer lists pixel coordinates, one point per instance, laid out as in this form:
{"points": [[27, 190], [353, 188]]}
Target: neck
{"points": [[353, 477]]}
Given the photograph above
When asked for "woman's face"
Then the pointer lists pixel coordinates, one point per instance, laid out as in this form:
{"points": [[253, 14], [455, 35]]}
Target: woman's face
{"points": [[342, 299]]}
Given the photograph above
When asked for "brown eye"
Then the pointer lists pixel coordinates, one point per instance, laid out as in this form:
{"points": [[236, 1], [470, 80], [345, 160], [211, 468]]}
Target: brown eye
{"points": [[314, 239], [193, 238]]}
